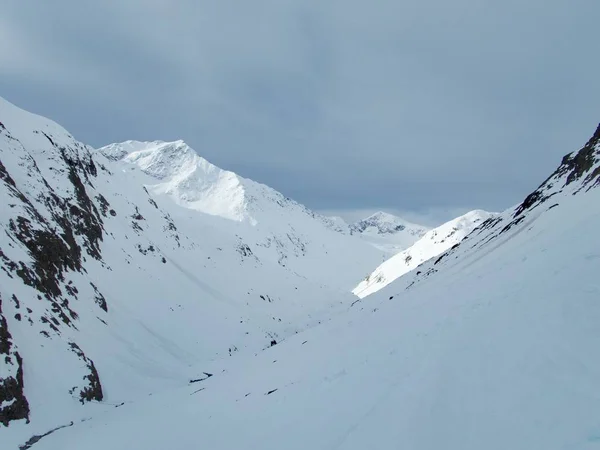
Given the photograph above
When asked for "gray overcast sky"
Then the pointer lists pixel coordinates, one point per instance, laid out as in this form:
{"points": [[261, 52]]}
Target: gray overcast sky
{"points": [[426, 107]]}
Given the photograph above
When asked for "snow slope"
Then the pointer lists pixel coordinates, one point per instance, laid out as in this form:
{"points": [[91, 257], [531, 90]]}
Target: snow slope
{"points": [[431, 244], [109, 292], [491, 346], [388, 232], [277, 228]]}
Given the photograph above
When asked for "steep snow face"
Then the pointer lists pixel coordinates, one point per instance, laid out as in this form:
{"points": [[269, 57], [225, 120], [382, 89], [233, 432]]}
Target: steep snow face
{"points": [[108, 293], [430, 245], [281, 229], [388, 232], [491, 346]]}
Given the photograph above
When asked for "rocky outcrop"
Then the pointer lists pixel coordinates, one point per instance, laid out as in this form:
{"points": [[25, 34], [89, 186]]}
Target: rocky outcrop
{"points": [[573, 167], [13, 403]]}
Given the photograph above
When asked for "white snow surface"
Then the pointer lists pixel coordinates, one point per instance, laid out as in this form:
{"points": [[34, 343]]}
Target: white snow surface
{"points": [[492, 347], [431, 244]]}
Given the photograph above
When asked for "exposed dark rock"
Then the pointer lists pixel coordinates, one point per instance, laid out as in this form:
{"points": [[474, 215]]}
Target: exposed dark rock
{"points": [[93, 390], [103, 204], [35, 439], [208, 375], [244, 250], [11, 387], [4, 176], [137, 215], [99, 298], [50, 254], [440, 258], [572, 168]]}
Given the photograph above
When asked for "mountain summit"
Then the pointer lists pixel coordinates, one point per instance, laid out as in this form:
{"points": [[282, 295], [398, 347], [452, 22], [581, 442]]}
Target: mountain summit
{"points": [[194, 183], [385, 223], [388, 232]]}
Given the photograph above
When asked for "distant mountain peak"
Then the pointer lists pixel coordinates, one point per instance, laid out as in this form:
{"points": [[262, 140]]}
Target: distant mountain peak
{"points": [[383, 216], [385, 223], [388, 232]]}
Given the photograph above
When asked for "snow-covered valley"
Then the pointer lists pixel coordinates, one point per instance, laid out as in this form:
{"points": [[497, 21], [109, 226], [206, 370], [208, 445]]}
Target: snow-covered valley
{"points": [[149, 299]]}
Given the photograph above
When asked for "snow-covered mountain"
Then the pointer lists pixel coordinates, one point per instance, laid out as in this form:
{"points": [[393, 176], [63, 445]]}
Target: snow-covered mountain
{"points": [[431, 244], [110, 290], [492, 345], [388, 232], [278, 228]]}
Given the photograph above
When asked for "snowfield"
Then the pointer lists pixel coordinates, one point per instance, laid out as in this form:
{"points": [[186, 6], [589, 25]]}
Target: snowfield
{"points": [[491, 344]]}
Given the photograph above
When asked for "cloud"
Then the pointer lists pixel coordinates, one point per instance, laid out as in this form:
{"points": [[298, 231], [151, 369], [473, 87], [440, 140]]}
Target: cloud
{"points": [[398, 105]]}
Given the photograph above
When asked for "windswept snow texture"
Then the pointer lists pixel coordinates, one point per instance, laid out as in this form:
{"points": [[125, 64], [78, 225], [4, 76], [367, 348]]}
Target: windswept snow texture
{"points": [[493, 345], [109, 291], [388, 232], [430, 245]]}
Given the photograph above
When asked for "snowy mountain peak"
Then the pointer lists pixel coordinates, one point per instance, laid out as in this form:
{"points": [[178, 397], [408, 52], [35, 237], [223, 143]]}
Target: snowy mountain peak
{"points": [[381, 222], [386, 223], [190, 180], [388, 232]]}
